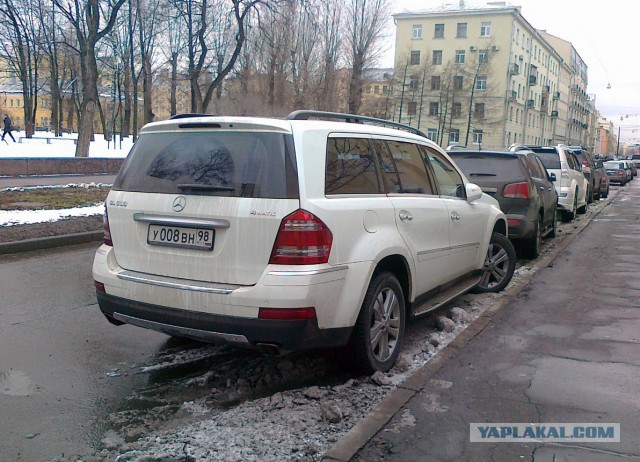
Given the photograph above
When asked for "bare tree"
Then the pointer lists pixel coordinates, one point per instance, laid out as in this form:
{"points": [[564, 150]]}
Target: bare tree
{"points": [[22, 37], [365, 30], [85, 20], [330, 35]]}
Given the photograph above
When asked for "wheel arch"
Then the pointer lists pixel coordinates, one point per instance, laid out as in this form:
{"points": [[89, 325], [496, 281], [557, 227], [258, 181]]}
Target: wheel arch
{"points": [[398, 266]]}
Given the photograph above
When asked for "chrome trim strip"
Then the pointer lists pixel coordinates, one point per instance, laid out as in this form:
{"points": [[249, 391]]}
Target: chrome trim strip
{"points": [[187, 222], [181, 331], [307, 272], [462, 246], [486, 189], [172, 283], [455, 247]]}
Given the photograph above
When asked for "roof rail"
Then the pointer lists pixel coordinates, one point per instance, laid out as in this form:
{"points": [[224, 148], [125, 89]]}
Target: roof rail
{"points": [[186, 116], [351, 118]]}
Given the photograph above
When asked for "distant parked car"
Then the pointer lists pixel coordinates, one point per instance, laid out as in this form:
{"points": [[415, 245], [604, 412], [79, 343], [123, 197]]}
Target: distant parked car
{"points": [[635, 160], [628, 169], [632, 168], [566, 173], [520, 183], [588, 165], [616, 172], [602, 180]]}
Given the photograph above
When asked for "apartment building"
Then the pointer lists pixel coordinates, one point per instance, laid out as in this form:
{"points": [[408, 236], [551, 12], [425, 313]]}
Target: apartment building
{"points": [[486, 77]]}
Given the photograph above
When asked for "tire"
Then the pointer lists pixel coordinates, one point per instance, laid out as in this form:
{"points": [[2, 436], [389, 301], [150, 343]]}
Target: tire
{"points": [[568, 216], [589, 195], [554, 227], [606, 193], [582, 210], [532, 247], [499, 265], [379, 331]]}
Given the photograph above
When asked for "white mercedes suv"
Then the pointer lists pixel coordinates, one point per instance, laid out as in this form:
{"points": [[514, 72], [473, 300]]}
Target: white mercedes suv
{"points": [[296, 233]]}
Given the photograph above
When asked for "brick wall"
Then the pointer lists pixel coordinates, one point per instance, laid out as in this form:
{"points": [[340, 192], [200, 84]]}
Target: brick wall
{"points": [[34, 166]]}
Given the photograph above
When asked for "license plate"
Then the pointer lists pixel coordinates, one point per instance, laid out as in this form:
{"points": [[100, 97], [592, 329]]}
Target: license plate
{"points": [[177, 236]]}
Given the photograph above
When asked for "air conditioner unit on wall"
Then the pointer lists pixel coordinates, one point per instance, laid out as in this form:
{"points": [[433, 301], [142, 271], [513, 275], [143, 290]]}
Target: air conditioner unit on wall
{"points": [[495, 48], [472, 48]]}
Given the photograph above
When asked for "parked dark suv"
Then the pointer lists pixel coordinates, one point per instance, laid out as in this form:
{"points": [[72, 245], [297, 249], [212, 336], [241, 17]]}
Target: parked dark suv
{"points": [[520, 183]]}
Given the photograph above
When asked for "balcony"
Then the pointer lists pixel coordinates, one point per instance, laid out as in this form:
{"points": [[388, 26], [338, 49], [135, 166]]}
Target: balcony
{"points": [[554, 114], [513, 96], [556, 95], [533, 80], [546, 89], [530, 103], [514, 69]]}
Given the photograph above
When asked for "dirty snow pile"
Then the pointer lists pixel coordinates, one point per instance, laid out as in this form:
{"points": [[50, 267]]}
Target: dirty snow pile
{"points": [[28, 217]]}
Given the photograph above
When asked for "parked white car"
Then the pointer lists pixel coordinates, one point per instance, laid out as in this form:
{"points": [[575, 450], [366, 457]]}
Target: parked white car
{"points": [[289, 234], [565, 171]]}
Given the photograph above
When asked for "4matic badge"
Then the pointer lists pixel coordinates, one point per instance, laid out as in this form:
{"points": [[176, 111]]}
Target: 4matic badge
{"points": [[262, 214]]}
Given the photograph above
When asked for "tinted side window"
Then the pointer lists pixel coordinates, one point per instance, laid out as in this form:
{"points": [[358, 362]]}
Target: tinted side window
{"points": [[351, 168], [573, 162], [543, 171], [534, 169], [449, 180], [403, 168]]}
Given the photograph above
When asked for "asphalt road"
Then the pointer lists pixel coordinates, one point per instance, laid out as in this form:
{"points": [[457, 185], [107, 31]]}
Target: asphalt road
{"points": [[56, 354]]}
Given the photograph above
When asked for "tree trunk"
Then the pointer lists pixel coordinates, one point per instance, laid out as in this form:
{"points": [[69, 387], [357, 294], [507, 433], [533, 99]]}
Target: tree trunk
{"points": [[89, 105], [147, 90], [125, 129], [355, 85], [174, 83]]}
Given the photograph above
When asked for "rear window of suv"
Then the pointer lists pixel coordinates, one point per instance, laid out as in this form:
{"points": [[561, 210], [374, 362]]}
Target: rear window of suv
{"points": [[488, 165], [230, 164]]}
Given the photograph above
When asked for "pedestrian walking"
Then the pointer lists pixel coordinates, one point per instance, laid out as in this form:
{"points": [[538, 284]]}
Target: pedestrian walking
{"points": [[8, 127]]}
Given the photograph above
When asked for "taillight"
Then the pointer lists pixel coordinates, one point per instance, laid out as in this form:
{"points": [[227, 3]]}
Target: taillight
{"points": [[105, 226], [303, 239], [585, 163], [516, 191], [99, 287]]}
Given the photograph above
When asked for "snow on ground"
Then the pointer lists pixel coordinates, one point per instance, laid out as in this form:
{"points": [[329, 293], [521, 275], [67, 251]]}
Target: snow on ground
{"points": [[45, 144]]}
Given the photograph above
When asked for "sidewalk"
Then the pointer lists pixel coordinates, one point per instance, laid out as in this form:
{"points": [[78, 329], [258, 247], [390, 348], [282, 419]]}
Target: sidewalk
{"points": [[566, 350]]}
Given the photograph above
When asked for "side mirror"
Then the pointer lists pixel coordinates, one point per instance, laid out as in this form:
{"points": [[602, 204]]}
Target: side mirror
{"points": [[552, 176], [473, 192]]}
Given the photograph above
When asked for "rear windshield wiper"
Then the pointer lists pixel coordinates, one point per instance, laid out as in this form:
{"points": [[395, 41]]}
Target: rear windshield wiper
{"points": [[482, 174], [204, 187]]}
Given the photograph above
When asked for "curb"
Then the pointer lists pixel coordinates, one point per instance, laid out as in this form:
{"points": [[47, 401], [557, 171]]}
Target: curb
{"points": [[356, 438], [29, 245]]}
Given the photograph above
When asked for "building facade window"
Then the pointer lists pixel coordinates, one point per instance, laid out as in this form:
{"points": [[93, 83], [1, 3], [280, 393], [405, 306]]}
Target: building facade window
{"points": [[483, 56], [413, 106], [417, 31], [433, 109], [481, 83], [413, 83], [454, 136], [435, 82], [477, 136], [460, 55], [432, 134], [461, 30], [458, 81], [439, 31], [415, 58], [479, 110], [437, 57], [456, 109], [485, 29]]}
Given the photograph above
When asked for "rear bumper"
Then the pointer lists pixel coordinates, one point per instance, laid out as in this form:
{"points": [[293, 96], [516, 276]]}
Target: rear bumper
{"points": [[287, 335], [520, 227]]}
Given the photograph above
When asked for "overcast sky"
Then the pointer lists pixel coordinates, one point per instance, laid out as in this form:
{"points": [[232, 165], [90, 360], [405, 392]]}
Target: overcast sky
{"points": [[606, 34]]}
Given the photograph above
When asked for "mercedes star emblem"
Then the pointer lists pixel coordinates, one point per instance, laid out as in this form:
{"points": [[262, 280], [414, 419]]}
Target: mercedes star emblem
{"points": [[179, 203]]}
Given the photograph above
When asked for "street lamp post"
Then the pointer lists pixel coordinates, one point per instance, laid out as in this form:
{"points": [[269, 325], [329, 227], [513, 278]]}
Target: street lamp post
{"points": [[618, 145]]}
